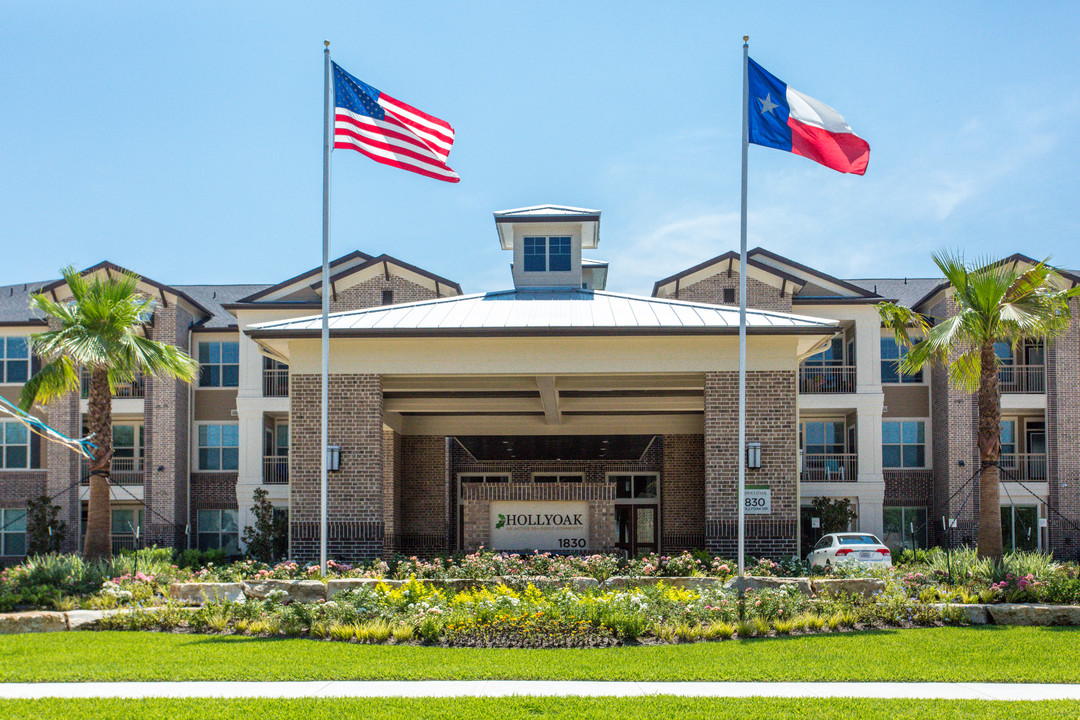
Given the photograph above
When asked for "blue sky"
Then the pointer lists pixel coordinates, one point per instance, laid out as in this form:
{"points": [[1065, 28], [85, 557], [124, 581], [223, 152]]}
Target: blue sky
{"points": [[184, 141]]}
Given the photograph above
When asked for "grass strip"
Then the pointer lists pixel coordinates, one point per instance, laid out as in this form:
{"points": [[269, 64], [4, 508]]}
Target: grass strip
{"points": [[516, 707], [947, 654]]}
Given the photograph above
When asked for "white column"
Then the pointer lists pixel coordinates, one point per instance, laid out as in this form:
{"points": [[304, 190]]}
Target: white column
{"points": [[867, 349]]}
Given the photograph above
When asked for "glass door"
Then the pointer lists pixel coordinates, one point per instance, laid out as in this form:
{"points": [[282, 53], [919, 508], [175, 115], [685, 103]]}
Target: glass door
{"points": [[637, 513]]}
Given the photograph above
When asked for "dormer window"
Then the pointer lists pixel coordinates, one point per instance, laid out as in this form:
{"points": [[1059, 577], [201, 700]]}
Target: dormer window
{"points": [[547, 254]]}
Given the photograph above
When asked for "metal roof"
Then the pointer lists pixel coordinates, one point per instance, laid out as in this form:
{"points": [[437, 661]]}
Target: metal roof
{"points": [[553, 311], [546, 211]]}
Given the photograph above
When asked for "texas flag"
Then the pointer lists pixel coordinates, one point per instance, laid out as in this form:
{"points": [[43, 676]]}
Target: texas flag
{"points": [[783, 118]]}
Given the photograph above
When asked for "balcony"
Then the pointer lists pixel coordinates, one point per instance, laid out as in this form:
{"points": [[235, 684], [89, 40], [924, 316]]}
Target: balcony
{"points": [[827, 379], [1023, 467], [276, 382], [1022, 378], [830, 467], [275, 470], [134, 389], [125, 471]]}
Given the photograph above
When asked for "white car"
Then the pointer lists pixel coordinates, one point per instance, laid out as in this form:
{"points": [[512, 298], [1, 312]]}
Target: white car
{"points": [[849, 547]]}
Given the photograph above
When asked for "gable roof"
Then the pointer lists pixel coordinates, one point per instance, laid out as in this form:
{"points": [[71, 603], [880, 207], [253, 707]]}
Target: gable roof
{"points": [[296, 279], [386, 261], [109, 267], [730, 259], [760, 252]]}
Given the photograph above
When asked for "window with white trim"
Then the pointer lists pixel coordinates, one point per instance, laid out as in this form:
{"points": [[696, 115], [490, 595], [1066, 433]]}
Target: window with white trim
{"points": [[219, 530], [14, 445], [12, 531], [14, 359], [127, 521], [905, 527], [220, 363], [481, 478], [547, 254], [219, 447], [903, 444], [892, 353]]}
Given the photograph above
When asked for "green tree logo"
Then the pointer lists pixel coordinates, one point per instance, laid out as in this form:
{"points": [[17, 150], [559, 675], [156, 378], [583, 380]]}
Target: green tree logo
{"points": [[501, 522]]}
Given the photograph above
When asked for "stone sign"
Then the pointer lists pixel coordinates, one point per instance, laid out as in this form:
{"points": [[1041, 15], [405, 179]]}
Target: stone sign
{"points": [[557, 525]]}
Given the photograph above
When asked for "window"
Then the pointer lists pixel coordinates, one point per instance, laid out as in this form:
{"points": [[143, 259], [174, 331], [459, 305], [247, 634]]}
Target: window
{"points": [[1004, 353], [1020, 527], [823, 437], [547, 254], [903, 444], [477, 478], [219, 447], [729, 295], [558, 478], [220, 364], [14, 360], [14, 445], [219, 530], [387, 297], [126, 521], [12, 531], [281, 440], [829, 357], [891, 355], [905, 527], [635, 487]]}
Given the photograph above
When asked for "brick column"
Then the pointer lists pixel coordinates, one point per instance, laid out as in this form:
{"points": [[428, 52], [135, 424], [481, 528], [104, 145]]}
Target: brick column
{"points": [[167, 442], [425, 495], [682, 493], [1063, 438], [355, 492], [63, 464], [771, 419]]}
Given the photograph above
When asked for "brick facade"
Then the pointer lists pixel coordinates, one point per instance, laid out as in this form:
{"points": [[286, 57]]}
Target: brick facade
{"points": [[759, 295], [771, 419], [1063, 439], [356, 513], [682, 493], [369, 293], [423, 512], [167, 441], [210, 491]]}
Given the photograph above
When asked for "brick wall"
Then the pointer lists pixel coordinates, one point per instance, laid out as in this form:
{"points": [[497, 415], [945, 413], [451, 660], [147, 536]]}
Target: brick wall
{"points": [[758, 294], [1063, 438], [63, 474], [370, 293], [682, 493], [356, 512], [18, 487], [210, 491], [954, 413], [391, 481], [771, 420], [424, 507], [167, 442]]}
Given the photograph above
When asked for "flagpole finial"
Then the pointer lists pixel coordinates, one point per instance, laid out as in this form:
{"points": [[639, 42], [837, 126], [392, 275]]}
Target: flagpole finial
{"points": [[326, 43], [746, 38]]}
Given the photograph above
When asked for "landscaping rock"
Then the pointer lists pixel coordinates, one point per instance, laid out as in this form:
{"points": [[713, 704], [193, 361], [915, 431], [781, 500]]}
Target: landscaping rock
{"points": [[1024, 614], [622, 581], [867, 587], [32, 622], [769, 583], [83, 619], [577, 584], [333, 587], [301, 591], [206, 592]]}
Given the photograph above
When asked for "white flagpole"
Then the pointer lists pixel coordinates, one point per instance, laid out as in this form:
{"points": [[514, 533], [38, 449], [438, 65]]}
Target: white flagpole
{"points": [[742, 312], [324, 407]]}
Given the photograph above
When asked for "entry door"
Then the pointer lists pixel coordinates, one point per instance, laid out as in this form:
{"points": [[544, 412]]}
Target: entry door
{"points": [[1036, 447], [636, 529]]}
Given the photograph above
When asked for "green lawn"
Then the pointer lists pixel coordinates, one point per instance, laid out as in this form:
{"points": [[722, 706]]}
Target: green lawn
{"points": [[561, 708], [985, 654]]}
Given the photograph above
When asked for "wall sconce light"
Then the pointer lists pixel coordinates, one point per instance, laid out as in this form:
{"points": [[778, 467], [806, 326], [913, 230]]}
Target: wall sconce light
{"points": [[961, 463], [333, 458], [753, 455]]}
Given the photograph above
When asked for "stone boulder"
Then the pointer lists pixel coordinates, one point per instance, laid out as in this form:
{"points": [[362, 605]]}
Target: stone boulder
{"points": [[83, 619], [751, 582], [867, 587], [973, 614], [301, 591], [694, 583], [577, 584], [32, 622], [206, 592], [1025, 614]]}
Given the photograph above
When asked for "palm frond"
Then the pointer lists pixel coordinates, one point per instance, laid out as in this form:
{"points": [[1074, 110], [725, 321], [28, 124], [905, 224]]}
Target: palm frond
{"points": [[53, 380], [965, 369]]}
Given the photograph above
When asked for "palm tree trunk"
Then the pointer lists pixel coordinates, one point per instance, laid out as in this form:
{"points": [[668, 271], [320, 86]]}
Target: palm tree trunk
{"points": [[989, 441], [98, 543]]}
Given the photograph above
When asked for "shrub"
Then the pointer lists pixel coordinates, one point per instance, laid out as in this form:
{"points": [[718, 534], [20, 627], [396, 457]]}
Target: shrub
{"points": [[45, 531], [268, 539]]}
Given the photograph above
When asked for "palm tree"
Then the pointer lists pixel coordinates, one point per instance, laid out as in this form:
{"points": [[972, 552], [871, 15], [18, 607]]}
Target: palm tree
{"points": [[101, 330], [995, 302]]}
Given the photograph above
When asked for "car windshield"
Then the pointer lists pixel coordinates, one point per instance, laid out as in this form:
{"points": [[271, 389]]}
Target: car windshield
{"points": [[858, 540]]}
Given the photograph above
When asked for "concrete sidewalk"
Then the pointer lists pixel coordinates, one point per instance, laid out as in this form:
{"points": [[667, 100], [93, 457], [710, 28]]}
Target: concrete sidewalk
{"points": [[504, 688]]}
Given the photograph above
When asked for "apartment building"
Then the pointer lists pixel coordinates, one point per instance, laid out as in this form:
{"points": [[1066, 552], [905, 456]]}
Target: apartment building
{"points": [[554, 416]]}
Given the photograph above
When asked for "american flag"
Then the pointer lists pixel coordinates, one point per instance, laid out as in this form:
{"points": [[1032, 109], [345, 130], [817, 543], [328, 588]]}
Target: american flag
{"points": [[388, 131]]}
